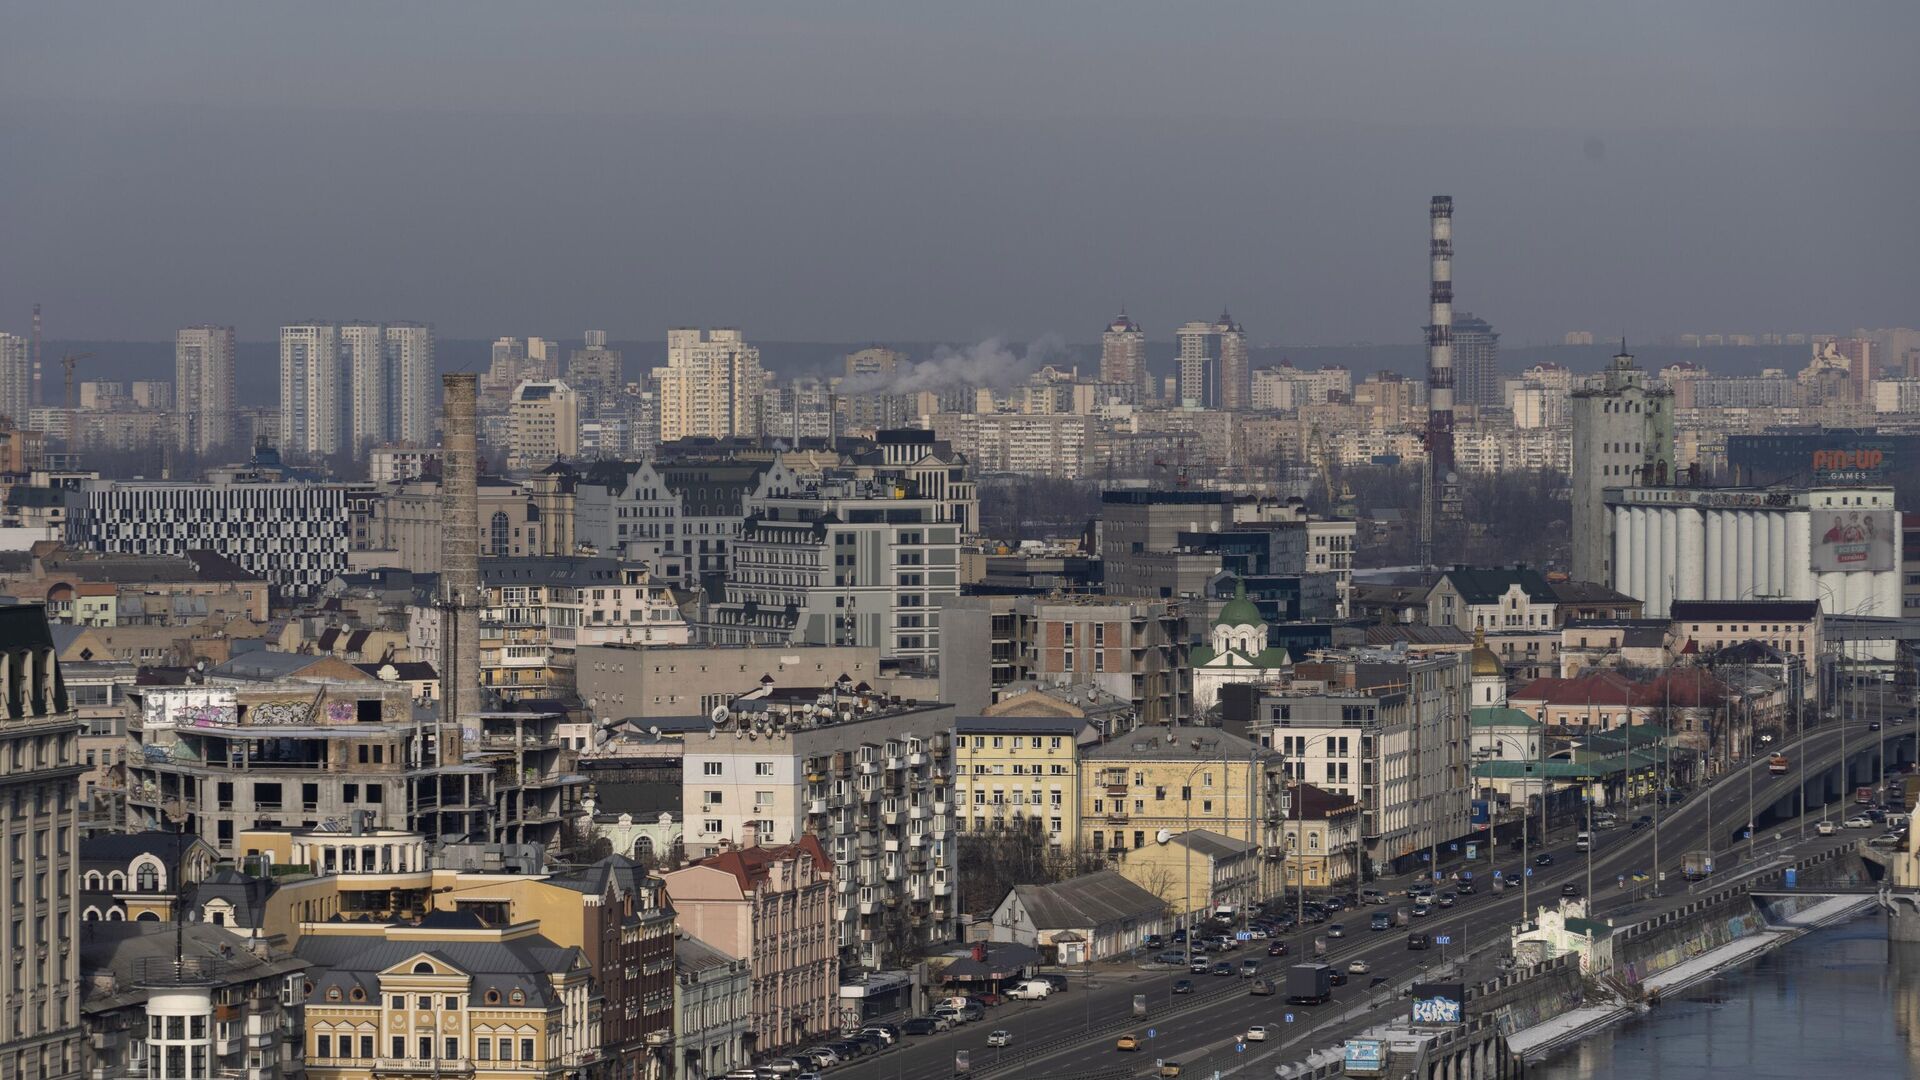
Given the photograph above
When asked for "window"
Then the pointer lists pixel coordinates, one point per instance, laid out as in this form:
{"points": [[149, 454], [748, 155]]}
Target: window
{"points": [[323, 1046], [366, 1045], [710, 768], [483, 1049], [763, 768], [526, 1049]]}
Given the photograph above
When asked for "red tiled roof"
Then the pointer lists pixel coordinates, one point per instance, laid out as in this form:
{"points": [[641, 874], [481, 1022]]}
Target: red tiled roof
{"points": [[1687, 688], [750, 866]]}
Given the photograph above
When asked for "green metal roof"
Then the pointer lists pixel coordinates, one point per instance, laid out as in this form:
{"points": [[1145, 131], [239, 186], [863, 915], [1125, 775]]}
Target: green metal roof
{"points": [[1532, 770], [1502, 716]]}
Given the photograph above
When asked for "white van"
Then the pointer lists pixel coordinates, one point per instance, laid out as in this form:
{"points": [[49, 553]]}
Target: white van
{"points": [[1031, 990], [1582, 841]]}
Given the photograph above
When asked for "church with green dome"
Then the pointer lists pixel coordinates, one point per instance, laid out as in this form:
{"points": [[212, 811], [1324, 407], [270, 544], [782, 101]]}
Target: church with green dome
{"points": [[1237, 652]]}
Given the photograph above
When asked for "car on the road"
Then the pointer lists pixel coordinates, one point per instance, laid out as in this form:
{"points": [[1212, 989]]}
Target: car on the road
{"points": [[1465, 888], [1223, 968], [1169, 1069], [1154, 941], [1860, 821], [1419, 941], [1359, 967], [1249, 968], [1334, 903], [1569, 889], [1545, 858], [1873, 725], [1337, 930], [1256, 1033], [1825, 828], [1642, 822], [886, 1033], [1380, 921], [1129, 1041], [1444, 900], [1421, 911], [1199, 967], [1262, 987], [1337, 977], [1183, 986], [1276, 948], [1373, 896], [1889, 840], [1000, 1037]]}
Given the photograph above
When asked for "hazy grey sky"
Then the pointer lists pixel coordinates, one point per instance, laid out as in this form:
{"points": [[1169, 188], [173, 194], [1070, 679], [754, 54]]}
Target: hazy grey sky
{"points": [[840, 171]]}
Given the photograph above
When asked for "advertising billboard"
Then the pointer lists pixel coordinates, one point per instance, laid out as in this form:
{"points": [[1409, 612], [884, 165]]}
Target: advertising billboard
{"points": [[1847, 540], [1439, 1003], [1365, 1056]]}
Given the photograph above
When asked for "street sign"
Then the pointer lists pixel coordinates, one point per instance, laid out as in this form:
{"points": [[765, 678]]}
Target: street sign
{"points": [[1792, 877], [1529, 871], [1151, 1033], [1289, 1018], [1239, 1048], [1443, 939], [1242, 935], [1453, 847], [1473, 851]]}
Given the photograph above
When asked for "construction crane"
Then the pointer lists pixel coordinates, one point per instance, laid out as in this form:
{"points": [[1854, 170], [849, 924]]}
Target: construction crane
{"points": [[69, 362]]}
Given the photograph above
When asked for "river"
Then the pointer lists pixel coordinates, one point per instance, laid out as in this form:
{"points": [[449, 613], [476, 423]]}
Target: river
{"points": [[1840, 1002]]}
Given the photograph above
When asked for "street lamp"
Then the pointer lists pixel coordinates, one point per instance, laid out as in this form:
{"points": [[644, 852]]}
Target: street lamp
{"points": [[1493, 834]]}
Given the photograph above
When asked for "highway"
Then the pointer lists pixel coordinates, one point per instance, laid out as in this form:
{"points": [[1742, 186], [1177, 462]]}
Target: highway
{"points": [[1199, 1030]]}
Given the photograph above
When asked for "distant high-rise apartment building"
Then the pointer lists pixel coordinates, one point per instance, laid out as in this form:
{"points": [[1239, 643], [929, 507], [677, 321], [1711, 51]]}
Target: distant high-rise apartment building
{"points": [[203, 388], [595, 373], [545, 425], [1476, 361], [1214, 372], [1123, 355], [363, 352], [875, 362], [39, 814], [711, 386], [16, 379], [313, 390], [411, 387]]}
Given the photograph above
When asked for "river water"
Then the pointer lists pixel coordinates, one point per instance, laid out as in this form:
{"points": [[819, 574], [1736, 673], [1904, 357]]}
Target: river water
{"points": [[1836, 1003]]}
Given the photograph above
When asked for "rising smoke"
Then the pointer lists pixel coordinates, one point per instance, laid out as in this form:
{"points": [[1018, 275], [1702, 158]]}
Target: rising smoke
{"points": [[990, 364]]}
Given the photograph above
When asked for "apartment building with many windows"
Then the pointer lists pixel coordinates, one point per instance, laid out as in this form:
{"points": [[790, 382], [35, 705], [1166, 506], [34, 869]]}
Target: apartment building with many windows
{"points": [[1020, 773]]}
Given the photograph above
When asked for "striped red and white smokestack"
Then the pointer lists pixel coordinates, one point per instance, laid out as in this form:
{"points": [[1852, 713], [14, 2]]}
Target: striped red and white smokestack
{"points": [[459, 563], [1440, 343]]}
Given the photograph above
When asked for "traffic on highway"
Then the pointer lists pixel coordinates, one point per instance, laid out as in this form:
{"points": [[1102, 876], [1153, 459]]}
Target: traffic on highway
{"points": [[1243, 999]]}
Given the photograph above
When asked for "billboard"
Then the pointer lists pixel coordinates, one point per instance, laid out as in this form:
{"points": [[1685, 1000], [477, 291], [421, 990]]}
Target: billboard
{"points": [[1365, 1056], [1847, 540], [1439, 1003]]}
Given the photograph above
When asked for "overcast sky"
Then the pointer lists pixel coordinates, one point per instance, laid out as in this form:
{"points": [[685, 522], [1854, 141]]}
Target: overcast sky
{"points": [[920, 171]]}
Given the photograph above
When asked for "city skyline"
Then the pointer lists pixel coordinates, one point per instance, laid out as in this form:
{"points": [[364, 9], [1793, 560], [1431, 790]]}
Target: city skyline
{"points": [[1645, 196]]}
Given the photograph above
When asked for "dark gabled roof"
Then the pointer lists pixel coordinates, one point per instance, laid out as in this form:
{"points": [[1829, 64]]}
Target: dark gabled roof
{"points": [[246, 894], [1744, 610], [1486, 585], [1416, 634], [1021, 725], [1211, 844], [519, 963], [1589, 592], [1101, 898]]}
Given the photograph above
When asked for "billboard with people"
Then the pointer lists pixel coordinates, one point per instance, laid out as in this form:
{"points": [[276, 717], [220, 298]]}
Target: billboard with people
{"points": [[1847, 540]]}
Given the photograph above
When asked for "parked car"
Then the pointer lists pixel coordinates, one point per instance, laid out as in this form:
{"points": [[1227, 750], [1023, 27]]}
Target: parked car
{"points": [[921, 1025], [1172, 956], [1000, 1037], [1372, 896], [1569, 889], [1334, 903], [1860, 821], [1154, 941], [1642, 822], [1183, 986], [1058, 982]]}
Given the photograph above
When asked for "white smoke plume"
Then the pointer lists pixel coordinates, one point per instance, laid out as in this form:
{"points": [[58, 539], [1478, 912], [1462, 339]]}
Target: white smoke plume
{"points": [[987, 364]]}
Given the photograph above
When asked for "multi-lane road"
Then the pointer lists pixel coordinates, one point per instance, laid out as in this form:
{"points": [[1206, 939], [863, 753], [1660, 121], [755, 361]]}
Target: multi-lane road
{"points": [[1200, 1030]]}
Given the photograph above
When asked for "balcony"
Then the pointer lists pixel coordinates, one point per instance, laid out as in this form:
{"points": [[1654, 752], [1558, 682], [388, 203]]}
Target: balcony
{"points": [[896, 763], [433, 1066], [916, 760], [940, 808], [817, 806], [869, 768], [941, 888]]}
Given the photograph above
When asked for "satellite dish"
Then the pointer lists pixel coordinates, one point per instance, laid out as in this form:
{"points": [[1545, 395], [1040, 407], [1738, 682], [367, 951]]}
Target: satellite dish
{"points": [[719, 715], [1163, 836]]}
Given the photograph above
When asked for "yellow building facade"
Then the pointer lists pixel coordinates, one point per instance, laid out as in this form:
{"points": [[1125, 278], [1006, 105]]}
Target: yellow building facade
{"points": [[1020, 771]]}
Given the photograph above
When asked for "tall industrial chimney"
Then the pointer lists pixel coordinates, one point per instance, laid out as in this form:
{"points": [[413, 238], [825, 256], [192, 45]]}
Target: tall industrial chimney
{"points": [[1440, 494], [459, 564]]}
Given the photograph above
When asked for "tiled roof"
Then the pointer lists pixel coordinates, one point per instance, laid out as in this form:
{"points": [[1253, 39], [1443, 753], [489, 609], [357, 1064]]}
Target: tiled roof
{"points": [[1098, 899]]}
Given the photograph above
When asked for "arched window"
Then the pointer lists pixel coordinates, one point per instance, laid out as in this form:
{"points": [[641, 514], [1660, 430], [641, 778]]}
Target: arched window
{"points": [[116, 882], [517, 998], [493, 997], [497, 535], [643, 850], [356, 994], [147, 879], [148, 916], [116, 915], [94, 881], [423, 968]]}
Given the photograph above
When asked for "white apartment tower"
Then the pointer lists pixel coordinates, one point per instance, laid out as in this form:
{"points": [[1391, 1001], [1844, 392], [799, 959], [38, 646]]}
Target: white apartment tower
{"points": [[1622, 437], [203, 388], [363, 348], [411, 387], [711, 386], [313, 390], [1214, 371], [1123, 355]]}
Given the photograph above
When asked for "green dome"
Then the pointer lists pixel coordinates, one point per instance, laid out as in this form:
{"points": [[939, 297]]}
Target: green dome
{"points": [[1239, 610]]}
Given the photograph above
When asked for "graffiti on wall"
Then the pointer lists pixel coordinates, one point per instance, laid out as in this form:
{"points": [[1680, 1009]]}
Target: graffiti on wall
{"points": [[284, 713]]}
